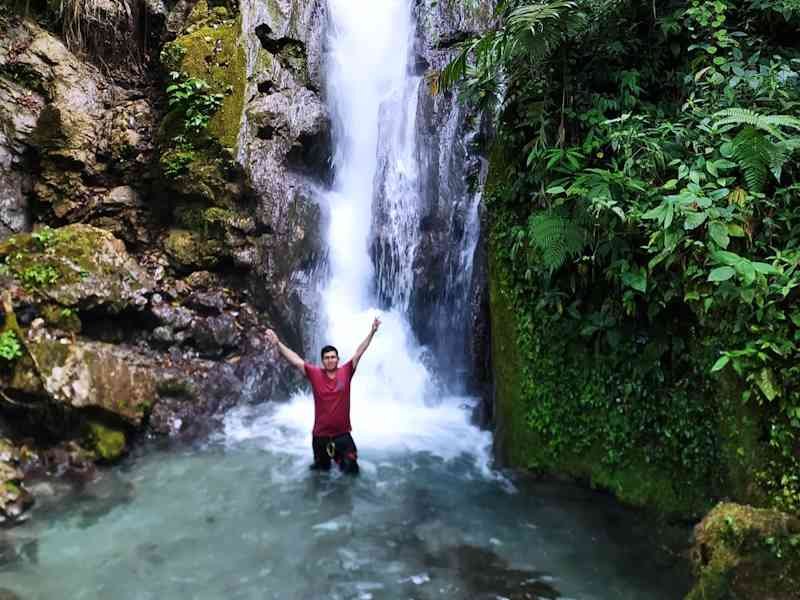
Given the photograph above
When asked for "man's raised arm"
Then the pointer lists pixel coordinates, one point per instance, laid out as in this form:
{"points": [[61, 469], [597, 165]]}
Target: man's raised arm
{"points": [[289, 354], [363, 345]]}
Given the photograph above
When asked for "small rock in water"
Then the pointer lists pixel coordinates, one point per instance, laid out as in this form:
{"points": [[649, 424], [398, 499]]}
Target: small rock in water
{"points": [[419, 579]]}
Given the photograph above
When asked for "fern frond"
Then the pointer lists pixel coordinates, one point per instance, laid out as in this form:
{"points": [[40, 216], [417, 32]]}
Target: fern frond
{"points": [[530, 31], [756, 155], [772, 124], [556, 237]]}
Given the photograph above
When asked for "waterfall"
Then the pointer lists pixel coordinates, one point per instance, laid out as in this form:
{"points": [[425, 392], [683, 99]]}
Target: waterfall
{"points": [[372, 94]]}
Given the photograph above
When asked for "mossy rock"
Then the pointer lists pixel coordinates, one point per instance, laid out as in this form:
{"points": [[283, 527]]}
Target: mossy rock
{"points": [[211, 50], [201, 174], [59, 317], [742, 553], [190, 250], [107, 442], [77, 266]]}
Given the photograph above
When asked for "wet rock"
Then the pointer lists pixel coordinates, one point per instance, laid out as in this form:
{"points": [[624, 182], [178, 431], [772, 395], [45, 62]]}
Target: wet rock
{"points": [[189, 250], [84, 374], [214, 336], [210, 302], [107, 442], [741, 552], [78, 266], [122, 212], [174, 317], [14, 498]]}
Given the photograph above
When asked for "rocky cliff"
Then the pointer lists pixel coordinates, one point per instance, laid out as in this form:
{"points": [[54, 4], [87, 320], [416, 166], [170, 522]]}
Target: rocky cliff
{"points": [[156, 162]]}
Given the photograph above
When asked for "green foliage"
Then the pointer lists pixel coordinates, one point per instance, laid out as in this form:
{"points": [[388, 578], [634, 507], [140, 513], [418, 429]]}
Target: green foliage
{"points": [[649, 224], [44, 238], [10, 348], [557, 238], [176, 162], [190, 98], [37, 276]]}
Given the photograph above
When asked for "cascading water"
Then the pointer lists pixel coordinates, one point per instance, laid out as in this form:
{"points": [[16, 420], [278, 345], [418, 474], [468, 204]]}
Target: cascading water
{"points": [[243, 518], [372, 99]]}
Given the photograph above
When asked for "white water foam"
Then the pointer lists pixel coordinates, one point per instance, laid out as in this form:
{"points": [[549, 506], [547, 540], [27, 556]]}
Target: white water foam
{"points": [[396, 406]]}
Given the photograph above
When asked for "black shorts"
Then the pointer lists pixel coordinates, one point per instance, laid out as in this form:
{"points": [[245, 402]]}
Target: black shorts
{"points": [[344, 451]]}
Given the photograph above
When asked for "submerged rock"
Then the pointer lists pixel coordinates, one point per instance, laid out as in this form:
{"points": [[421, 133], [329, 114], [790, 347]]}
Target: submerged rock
{"points": [[14, 498], [742, 553]]}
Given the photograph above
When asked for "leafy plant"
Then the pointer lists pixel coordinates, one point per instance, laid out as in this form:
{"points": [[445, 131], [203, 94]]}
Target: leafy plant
{"points": [[10, 348], [191, 98], [37, 276]]}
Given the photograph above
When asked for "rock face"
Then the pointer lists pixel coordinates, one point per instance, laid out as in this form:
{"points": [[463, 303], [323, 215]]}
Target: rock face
{"points": [[285, 148], [85, 133], [741, 552]]}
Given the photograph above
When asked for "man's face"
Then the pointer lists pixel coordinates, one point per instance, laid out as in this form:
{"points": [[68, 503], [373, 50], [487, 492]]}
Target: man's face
{"points": [[330, 360]]}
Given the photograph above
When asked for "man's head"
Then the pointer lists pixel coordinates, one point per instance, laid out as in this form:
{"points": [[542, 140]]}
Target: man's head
{"points": [[330, 358]]}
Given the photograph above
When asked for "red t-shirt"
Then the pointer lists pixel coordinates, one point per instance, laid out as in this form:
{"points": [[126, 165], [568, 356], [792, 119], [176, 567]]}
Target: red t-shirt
{"points": [[331, 399]]}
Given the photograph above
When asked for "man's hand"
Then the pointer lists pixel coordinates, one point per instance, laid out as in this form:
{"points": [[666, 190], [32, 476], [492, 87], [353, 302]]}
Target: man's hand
{"points": [[294, 359], [375, 324]]}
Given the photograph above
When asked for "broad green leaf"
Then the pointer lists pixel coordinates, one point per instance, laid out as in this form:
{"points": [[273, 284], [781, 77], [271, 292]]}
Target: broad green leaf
{"points": [[556, 189], [721, 274], [766, 382], [735, 230], [726, 258], [694, 220], [723, 164], [727, 150], [764, 268], [636, 280], [719, 233], [722, 361], [746, 271]]}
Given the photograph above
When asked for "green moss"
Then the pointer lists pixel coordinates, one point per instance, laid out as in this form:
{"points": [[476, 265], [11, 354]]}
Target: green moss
{"points": [[191, 250], [516, 442], [212, 52], [741, 553], [107, 442]]}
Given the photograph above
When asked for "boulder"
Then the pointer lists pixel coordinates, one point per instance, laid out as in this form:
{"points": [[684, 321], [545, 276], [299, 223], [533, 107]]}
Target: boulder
{"points": [[83, 374], [741, 552], [78, 266]]}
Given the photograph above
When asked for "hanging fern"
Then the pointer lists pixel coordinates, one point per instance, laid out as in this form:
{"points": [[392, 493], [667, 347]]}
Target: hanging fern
{"points": [[556, 237], [529, 31]]}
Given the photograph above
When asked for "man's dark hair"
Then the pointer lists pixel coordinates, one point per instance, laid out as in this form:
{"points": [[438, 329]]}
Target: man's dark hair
{"points": [[326, 349]]}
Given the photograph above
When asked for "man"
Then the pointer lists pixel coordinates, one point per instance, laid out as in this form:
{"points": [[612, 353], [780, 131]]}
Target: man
{"points": [[331, 437]]}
